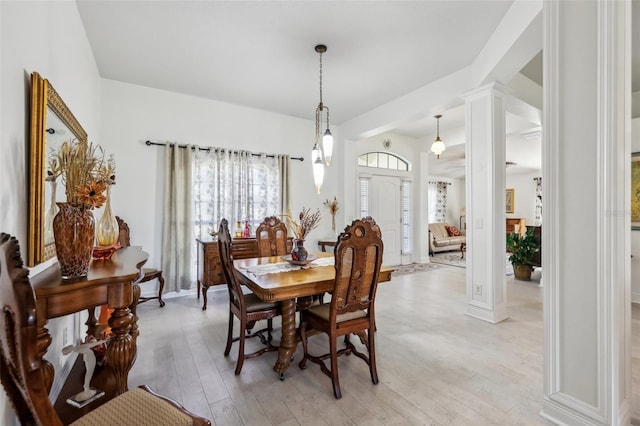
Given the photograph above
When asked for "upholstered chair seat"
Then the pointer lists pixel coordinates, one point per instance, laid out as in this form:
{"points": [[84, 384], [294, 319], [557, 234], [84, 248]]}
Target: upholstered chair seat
{"points": [[135, 407]]}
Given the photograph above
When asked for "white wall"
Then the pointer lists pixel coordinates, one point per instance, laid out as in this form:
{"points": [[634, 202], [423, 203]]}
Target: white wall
{"points": [[133, 114], [47, 37], [635, 235], [524, 195]]}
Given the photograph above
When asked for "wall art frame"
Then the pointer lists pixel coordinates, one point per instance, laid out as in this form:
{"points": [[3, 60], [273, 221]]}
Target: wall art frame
{"points": [[635, 191], [509, 200]]}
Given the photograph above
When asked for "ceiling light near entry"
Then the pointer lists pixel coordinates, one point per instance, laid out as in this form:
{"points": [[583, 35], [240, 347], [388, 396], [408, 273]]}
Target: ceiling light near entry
{"points": [[438, 146]]}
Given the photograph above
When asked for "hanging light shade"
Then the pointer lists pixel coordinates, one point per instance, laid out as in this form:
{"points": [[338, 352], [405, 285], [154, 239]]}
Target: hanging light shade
{"points": [[327, 143], [437, 147], [323, 148], [318, 167]]}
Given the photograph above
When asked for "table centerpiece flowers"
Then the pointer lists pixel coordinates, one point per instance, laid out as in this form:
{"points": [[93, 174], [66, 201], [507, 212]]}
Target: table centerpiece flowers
{"points": [[300, 229]]}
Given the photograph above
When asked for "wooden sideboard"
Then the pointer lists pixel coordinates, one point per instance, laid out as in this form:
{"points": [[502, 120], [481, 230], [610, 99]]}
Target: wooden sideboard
{"points": [[513, 221], [209, 266]]}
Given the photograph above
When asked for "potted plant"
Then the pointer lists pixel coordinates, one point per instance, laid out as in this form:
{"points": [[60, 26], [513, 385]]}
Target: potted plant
{"points": [[523, 249]]}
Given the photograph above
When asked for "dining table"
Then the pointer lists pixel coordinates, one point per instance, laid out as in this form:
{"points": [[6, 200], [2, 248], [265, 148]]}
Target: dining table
{"points": [[273, 279]]}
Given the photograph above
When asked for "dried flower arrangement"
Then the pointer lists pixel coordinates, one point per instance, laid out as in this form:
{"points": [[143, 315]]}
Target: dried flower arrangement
{"points": [[306, 222], [84, 172], [333, 209]]}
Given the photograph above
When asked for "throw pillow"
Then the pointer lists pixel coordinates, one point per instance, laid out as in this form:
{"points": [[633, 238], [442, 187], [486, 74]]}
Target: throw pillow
{"points": [[452, 231]]}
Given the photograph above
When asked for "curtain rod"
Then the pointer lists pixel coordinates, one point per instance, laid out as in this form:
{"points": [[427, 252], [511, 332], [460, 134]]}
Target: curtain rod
{"points": [[448, 183], [149, 143]]}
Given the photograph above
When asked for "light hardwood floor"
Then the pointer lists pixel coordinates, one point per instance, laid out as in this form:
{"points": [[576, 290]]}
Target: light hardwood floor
{"points": [[436, 365]]}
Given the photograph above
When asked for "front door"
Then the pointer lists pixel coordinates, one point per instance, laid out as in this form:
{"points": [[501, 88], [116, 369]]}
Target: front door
{"points": [[386, 210]]}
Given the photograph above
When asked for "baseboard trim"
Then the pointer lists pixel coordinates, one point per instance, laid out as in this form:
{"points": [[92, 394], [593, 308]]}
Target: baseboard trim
{"points": [[562, 414]]}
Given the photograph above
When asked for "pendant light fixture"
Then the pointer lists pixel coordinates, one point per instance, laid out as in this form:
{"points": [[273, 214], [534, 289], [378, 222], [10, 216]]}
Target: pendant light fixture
{"points": [[323, 147], [438, 146]]}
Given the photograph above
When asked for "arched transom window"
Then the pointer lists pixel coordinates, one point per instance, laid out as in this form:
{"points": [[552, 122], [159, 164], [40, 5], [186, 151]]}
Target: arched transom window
{"points": [[383, 160]]}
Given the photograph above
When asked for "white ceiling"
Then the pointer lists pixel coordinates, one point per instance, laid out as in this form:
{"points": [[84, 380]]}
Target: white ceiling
{"points": [[261, 54]]}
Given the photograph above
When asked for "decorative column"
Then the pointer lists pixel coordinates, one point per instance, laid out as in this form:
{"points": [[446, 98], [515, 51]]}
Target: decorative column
{"points": [[485, 200], [586, 215]]}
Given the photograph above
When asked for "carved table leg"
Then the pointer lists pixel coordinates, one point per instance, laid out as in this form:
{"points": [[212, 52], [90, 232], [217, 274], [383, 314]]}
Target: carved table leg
{"points": [[289, 341], [44, 340], [305, 302], [92, 322], [204, 296], [121, 350], [134, 311]]}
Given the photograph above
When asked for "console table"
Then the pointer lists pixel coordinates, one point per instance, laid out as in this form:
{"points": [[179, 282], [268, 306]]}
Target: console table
{"points": [[110, 282], [209, 266], [324, 243]]}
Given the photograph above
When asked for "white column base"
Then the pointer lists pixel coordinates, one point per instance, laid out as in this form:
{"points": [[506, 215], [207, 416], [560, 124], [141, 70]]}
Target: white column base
{"points": [[562, 414], [494, 317]]}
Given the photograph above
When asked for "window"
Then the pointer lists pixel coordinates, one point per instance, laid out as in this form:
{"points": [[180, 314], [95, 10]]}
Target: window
{"points": [[406, 217], [383, 160], [235, 186], [364, 196]]}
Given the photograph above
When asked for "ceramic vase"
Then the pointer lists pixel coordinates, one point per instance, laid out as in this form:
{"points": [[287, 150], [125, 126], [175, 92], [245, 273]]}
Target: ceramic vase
{"points": [[74, 232], [299, 252], [107, 231]]}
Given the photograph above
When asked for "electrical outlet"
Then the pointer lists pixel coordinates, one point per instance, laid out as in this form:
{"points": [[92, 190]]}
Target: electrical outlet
{"points": [[65, 336], [478, 289]]}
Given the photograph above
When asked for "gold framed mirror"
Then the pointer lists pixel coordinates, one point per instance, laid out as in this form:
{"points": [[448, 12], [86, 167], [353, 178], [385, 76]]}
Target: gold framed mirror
{"points": [[52, 122]]}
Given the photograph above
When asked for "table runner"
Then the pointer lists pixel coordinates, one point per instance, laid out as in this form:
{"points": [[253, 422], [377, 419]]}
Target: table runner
{"points": [[274, 268]]}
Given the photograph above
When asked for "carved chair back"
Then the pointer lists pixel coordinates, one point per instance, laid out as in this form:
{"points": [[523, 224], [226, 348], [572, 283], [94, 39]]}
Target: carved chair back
{"points": [[271, 236], [358, 258], [21, 367], [236, 298], [149, 274], [124, 237]]}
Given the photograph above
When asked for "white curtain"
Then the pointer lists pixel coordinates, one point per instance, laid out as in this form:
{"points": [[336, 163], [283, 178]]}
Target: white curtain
{"points": [[538, 218], [177, 231], [237, 186], [437, 199]]}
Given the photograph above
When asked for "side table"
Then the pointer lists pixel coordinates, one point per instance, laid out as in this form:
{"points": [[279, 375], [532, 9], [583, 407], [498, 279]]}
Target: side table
{"points": [[324, 243]]}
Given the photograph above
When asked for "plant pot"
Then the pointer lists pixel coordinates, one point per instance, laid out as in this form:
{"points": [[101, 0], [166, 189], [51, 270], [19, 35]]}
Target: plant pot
{"points": [[522, 272]]}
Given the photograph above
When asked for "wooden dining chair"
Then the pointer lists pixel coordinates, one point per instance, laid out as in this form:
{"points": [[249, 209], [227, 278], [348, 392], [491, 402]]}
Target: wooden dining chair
{"points": [[358, 257], [248, 307], [271, 237], [149, 273], [22, 370]]}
